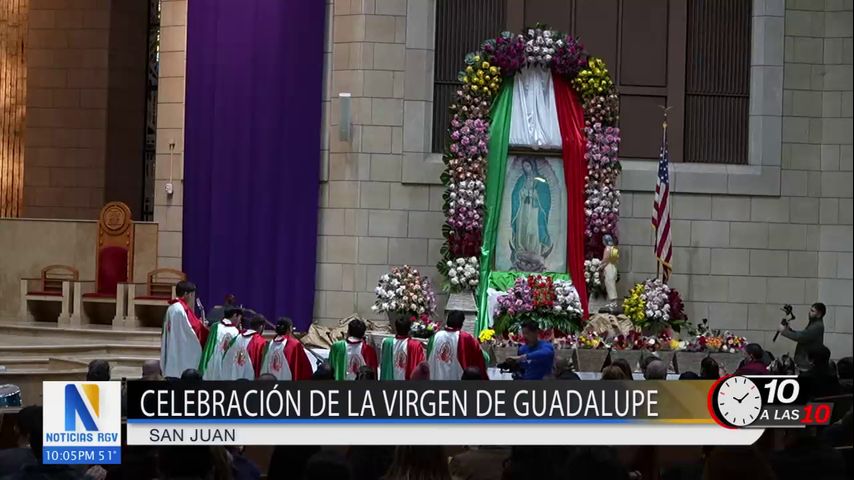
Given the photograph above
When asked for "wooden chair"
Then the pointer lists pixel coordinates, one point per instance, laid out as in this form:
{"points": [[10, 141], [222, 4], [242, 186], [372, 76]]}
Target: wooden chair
{"points": [[52, 286], [113, 267], [157, 292]]}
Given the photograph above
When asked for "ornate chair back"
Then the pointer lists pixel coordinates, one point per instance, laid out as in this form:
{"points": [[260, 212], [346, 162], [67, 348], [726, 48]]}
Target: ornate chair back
{"points": [[114, 261]]}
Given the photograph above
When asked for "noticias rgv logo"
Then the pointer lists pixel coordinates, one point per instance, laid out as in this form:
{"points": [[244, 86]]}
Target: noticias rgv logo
{"points": [[82, 422], [75, 407]]}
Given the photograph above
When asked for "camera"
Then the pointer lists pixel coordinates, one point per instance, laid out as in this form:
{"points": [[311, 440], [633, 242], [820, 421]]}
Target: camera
{"points": [[787, 309], [510, 366]]}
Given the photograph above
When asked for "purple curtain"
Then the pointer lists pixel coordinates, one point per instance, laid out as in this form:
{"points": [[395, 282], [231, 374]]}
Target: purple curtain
{"points": [[252, 152]]}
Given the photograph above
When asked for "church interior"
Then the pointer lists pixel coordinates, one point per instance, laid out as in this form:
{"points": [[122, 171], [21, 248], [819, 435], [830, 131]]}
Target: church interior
{"points": [[299, 156]]}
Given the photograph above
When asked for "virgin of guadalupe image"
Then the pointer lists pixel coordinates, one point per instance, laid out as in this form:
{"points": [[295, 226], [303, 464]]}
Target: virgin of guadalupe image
{"points": [[531, 203]]}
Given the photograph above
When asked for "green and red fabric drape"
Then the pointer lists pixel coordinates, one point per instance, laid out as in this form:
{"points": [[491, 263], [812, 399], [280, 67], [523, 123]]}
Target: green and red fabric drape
{"points": [[571, 122]]}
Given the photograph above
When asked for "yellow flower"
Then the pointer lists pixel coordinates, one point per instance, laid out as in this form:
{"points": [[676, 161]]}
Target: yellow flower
{"points": [[484, 65], [486, 335], [469, 69], [474, 88], [493, 70], [476, 58]]}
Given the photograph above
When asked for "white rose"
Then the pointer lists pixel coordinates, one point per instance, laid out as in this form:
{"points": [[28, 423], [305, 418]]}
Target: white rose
{"points": [[455, 281]]}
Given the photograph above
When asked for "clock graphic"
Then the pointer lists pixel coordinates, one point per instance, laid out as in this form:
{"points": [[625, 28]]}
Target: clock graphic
{"points": [[735, 401]]}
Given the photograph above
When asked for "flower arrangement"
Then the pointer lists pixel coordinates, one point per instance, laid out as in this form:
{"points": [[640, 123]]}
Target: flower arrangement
{"points": [[593, 277], [554, 304], [603, 143], [602, 203], [712, 340], [423, 327], [483, 77], [593, 80], [405, 291], [539, 47], [507, 52], [465, 159], [486, 335], [463, 273], [465, 204], [733, 343], [602, 108], [590, 340], [653, 305], [569, 56]]}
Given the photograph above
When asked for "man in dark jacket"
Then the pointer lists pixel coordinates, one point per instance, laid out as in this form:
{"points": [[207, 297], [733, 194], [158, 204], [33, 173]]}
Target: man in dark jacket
{"points": [[809, 338]]}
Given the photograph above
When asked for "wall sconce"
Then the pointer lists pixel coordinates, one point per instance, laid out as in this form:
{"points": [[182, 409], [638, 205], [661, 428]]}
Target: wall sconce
{"points": [[170, 186], [344, 119]]}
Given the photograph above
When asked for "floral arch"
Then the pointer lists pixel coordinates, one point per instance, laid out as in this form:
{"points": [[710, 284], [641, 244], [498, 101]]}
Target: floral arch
{"points": [[586, 110]]}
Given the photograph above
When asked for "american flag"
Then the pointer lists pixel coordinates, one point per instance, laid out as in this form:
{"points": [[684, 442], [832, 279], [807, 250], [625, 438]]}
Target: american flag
{"points": [[661, 213]]}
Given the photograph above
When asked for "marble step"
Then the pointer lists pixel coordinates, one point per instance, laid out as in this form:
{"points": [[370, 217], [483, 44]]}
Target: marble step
{"points": [[43, 333]]}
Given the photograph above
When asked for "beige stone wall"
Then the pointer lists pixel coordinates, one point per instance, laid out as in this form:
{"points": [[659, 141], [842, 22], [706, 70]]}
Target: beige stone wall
{"points": [[67, 72], [373, 216], [85, 107], [739, 258], [169, 210]]}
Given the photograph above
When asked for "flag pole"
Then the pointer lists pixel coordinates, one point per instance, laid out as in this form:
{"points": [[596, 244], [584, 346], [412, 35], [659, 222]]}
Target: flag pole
{"points": [[663, 145]]}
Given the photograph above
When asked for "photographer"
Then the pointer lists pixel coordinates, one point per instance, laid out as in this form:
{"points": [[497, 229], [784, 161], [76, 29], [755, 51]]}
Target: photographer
{"points": [[811, 337], [536, 357]]}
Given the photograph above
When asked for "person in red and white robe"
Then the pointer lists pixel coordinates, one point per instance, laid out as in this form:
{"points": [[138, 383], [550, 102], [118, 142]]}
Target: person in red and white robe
{"points": [[183, 334], [401, 354], [245, 356], [348, 356], [451, 351], [285, 357], [221, 334]]}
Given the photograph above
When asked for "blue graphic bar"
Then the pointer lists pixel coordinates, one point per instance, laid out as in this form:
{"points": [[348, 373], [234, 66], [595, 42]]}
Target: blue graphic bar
{"points": [[81, 455]]}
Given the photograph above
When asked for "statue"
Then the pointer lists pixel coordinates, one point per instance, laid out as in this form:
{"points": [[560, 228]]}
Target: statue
{"points": [[530, 205], [610, 257]]}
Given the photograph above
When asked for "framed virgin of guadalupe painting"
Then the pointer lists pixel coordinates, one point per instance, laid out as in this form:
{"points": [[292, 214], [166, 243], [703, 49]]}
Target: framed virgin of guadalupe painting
{"points": [[532, 227]]}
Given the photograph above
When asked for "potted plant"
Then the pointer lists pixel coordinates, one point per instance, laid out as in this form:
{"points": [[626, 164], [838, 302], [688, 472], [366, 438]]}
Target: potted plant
{"points": [[629, 347], [590, 352]]}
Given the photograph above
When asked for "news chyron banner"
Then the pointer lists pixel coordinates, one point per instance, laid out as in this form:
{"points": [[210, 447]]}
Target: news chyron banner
{"points": [[732, 411]]}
